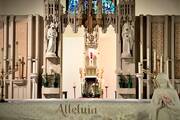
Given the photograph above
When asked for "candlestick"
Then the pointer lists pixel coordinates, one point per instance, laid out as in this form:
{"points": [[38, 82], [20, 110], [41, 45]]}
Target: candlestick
{"points": [[167, 69], [154, 60], [74, 87], [106, 91], [161, 64], [34, 66], [139, 88], [16, 51], [2, 57], [140, 80]]}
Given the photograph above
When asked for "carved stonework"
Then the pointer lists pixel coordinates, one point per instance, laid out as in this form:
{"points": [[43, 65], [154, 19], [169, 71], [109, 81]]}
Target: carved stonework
{"points": [[109, 19], [157, 41], [158, 38], [1, 44], [177, 41], [87, 17], [54, 23], [126, 20], [91, 39], [177, 50], [127, 10]]}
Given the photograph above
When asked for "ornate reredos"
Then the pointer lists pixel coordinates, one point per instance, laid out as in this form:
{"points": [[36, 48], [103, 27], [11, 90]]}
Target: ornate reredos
{"points": [[90, 13]]}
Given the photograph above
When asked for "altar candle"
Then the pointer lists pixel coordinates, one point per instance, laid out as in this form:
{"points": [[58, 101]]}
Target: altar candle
{"points": [[167, 69], [16, 51], [34, 67], [2, 57], [161, 64], [154, 60]]}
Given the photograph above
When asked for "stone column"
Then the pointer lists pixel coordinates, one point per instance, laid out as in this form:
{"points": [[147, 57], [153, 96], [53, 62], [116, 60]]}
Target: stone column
{"points": [[37, 59], [5, 57], [139, 75], [34, 89], [29, 65], [172, 49], [45, 47], [12, 56], [141, 38], [140, 79], [118, 50], [166, 47], [34, 78], [118, 45], [61, 51], [148, 53], [37, 43]]}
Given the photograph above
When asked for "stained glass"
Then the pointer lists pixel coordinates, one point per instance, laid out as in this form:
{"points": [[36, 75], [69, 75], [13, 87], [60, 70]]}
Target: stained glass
{"points": [[108, 6], [94, 6], [73, 6]]}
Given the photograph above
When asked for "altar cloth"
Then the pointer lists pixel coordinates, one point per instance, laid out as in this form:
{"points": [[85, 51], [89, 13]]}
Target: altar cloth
{"points": [[75, 109]]}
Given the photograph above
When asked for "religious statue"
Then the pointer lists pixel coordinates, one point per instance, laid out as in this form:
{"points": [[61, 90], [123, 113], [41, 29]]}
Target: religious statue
{"points": [[165, 104], [128, 39], [51, 36]]}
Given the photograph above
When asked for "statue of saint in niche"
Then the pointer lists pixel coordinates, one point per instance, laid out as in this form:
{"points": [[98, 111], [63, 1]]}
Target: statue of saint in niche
{"points": [[51, 36], [128, 39]]}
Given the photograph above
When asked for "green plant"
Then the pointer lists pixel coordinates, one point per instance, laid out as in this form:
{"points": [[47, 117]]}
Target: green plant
{"points": [[122, 81], [129, 84]]}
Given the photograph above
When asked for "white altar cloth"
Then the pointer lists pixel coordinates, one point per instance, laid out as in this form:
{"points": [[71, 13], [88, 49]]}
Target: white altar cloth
{"points": [[76, 109]]}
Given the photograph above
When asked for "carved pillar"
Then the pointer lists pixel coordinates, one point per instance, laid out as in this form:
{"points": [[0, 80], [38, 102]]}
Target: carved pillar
{"points": [[141, 38], [37, 59], [118, 47], [148, 32], [5, 57], [12, 55], [140, 79], [172, 49], [118, 39], [166, 47], [44, 50], [37, 43], [29, 65]]}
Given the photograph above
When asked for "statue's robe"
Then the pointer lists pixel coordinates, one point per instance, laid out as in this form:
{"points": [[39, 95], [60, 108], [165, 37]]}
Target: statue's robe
{"points": [[165, 105]]}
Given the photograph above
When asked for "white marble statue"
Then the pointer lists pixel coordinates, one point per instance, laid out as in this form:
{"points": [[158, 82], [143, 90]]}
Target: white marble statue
{"points": [[51, 36], [165, 104], [128, 39]]}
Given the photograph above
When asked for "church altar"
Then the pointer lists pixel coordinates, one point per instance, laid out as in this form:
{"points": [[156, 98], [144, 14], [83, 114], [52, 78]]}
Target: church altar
{"points": [[76, 109]]}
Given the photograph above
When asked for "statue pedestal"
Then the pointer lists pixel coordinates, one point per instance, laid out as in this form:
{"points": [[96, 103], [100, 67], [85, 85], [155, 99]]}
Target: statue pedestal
{"points": [[128, 65]]}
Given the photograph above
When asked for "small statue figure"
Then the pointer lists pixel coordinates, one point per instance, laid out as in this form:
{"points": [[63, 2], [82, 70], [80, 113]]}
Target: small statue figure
{"points": [[128, 39], [51, 36], [165, 104]]}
